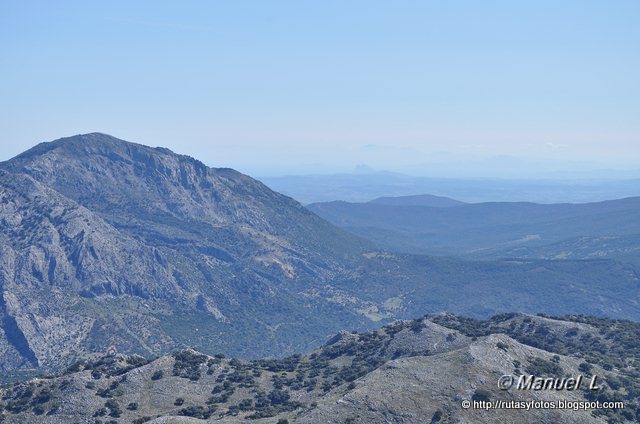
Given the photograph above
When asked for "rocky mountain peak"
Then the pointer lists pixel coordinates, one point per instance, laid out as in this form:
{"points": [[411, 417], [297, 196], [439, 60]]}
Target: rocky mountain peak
{"points": [[102, 239]]}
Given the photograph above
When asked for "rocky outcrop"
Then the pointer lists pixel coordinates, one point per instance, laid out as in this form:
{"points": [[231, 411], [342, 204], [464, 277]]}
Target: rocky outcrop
{"points": [[409, 372]]}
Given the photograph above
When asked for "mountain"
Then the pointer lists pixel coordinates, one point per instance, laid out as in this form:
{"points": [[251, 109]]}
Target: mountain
{"points": [[418, 200], [416, 371], [496, 230], [155, 193], [108, 245]]}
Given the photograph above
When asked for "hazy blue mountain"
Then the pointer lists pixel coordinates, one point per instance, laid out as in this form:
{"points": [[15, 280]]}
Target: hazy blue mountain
{"points": [[606, 229], [418, 200]]}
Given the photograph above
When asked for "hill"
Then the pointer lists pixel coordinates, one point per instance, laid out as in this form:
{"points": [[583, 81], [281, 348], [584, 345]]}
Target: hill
{"points": [[496, 230], [410, 371], [418, 200]]}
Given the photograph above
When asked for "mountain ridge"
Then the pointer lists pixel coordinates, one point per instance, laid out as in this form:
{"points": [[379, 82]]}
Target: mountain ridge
{"points": [[417, 200], [489, 230], [411, 371]]}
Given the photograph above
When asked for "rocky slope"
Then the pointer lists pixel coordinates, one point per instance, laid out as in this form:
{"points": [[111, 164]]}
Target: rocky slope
{"points": [[103, 240], [159, 195], [408, 372]]}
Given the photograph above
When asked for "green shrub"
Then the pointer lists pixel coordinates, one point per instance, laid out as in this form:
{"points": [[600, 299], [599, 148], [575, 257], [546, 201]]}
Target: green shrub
{"points": [[481, 394]]}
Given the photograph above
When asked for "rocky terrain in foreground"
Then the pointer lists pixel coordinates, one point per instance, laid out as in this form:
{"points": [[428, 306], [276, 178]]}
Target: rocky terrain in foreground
{"points": [[415, 371]]}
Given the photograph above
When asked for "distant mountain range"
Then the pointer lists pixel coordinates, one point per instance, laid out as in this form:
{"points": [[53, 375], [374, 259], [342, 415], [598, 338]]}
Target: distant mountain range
{"points": [[417, 371], [364, 187], [609, 229], [110, 245]]}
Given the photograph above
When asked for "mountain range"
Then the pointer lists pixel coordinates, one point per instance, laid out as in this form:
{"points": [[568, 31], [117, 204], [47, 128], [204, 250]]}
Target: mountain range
{"points": [[492, 230], [362, 187], [114, 246]]}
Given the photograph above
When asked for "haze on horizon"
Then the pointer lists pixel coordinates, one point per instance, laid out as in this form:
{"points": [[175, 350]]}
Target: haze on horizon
{"points": [[284, 87]]}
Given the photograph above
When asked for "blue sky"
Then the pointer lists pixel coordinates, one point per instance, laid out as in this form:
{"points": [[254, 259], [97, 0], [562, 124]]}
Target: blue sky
{"points": [[287, 86]]}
